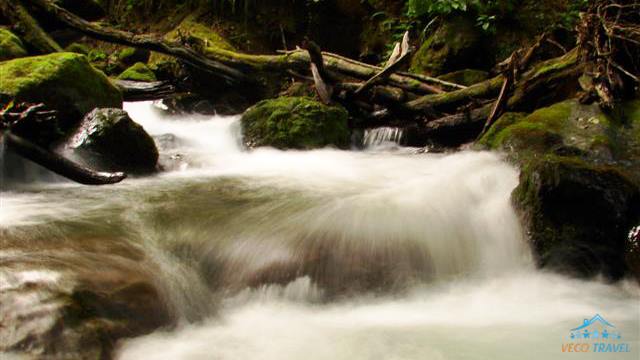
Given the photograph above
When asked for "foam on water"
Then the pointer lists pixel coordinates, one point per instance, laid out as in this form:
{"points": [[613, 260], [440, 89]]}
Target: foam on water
{"points": [[326, 254]]}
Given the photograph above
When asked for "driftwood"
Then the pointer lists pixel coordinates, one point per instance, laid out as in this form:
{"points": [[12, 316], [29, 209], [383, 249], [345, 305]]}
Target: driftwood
{"points": [[21, 112], [609, 40], [398, 57], [59, 164], [411, 96], [234, 66]]}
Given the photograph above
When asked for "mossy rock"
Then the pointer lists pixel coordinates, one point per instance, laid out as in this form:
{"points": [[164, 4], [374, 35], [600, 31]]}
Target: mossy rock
{"points": [[108, 140], [465, 77], [295, 123], [78, 49], [455, 45], [11, 46], [578, 214], [64, 82], [130, 56], [197, 35], [138, 72], [569, 127], [580, 181]]}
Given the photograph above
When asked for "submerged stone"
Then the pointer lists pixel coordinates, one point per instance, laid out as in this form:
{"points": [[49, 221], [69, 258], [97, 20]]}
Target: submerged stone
{"points": [[295, 123]]}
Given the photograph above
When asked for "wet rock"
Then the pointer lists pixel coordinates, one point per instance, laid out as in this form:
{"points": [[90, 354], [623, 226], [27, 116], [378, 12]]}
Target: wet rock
{"points": [[61, 302], [107, 139], [579, 187], [64, 82], [579, 215], [295, 123], [11, 46]]}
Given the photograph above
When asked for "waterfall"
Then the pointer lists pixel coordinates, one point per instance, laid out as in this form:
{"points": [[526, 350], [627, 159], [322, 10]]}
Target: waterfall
{"points": [[382, 136]]}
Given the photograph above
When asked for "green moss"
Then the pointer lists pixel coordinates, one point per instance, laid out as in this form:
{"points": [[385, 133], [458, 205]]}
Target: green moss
{"points": [[198, 33], [138, 72], [565, 61], [63, 81], [558, 127], [466, 77], [11, 46], [97, 55], [453, 46], [295, 122], [78, 49], [577, 212]]}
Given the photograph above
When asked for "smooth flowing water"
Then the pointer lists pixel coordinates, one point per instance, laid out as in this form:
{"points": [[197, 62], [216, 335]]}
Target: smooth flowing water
{"points": [[323, 254]]}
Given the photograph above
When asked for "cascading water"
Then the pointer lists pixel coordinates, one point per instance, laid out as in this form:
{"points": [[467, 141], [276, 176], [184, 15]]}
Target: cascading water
{"points": [[321, 254], [382, 136]]}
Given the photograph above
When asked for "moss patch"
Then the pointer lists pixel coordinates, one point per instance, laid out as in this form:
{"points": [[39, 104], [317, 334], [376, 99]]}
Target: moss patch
{"points": [[455, 45], [65, 82], [78, 49], [295, 122], [579, 185], [565, 126], [11, 46], [466, 77], [138, 72]]}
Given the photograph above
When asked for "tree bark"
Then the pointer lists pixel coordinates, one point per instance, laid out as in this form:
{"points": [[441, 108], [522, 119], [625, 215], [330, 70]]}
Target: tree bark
{"points": [[142, 91]]}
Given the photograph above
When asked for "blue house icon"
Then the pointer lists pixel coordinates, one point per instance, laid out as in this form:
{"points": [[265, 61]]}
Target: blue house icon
{"points": [[596, 319], [595, 328]]}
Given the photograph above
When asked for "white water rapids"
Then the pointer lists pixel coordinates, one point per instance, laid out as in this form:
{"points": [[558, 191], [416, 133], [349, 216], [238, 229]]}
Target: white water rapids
{"points": [[327, 254]]}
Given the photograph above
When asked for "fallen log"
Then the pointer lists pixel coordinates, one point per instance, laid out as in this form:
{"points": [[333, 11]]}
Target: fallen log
{"points": [[232, 65], [142, 91], [57, 163], [485, 89], [148, 42]]}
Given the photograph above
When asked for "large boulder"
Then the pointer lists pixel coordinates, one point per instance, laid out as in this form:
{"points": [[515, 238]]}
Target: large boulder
{"points": [[579, 185], [108, 140], [455, 45], [62, 300], [64, 82], [11, 46], [295, 123]]}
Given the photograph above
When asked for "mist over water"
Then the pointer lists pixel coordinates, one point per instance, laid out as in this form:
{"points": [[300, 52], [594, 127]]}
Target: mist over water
{"points": [[324, 254]]}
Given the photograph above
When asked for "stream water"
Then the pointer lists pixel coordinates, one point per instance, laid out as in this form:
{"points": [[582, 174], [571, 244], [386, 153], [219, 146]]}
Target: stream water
{"points": [[327, 254]]}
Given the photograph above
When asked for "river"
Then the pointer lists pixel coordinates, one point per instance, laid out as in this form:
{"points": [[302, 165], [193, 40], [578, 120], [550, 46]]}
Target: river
{"points": [[381, 253]]}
